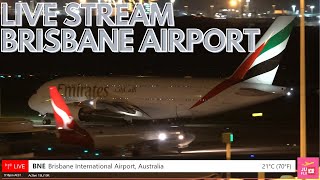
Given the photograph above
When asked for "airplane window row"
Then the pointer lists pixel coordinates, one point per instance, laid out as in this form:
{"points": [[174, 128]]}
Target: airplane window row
{"points": [[189, 100], [180, 86], [149, 86], [159, 99], [120, 98]]}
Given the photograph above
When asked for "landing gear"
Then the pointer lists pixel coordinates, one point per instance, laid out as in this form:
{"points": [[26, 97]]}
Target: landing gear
{"points": [[46, 120], [128, 120]]}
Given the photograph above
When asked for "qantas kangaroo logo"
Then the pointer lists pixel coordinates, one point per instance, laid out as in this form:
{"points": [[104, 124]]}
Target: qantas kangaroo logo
{"points": [[61, 111], [63, 115]]}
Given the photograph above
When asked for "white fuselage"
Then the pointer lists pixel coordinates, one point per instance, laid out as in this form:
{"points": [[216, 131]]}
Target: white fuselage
{"points": [[159, 98]]}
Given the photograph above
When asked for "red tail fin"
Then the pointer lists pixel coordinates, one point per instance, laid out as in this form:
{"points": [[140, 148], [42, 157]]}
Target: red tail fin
{"points": [[70, 132], [62, 114]]}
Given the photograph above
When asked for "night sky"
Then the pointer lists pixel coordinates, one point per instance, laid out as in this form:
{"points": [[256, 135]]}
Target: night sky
{"points": [[203, 5], [260, 5]]}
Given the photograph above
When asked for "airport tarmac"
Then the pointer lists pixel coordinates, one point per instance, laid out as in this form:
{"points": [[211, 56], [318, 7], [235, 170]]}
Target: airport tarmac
{"points": [[249, 143], [259, 141]]}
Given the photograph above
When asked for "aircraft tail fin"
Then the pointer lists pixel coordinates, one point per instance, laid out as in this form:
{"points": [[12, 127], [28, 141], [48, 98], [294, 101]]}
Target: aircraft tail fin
{"points": [[261, 66], [69, 131]]}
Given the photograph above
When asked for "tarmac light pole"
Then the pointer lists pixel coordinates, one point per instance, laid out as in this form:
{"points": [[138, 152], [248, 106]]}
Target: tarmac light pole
{"points": [[227, 138], [303, 139], [0, 102]]}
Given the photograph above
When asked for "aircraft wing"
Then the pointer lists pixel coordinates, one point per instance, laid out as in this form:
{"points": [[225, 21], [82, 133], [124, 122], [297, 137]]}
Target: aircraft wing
{"points": [[111, 109], [251, 92]]}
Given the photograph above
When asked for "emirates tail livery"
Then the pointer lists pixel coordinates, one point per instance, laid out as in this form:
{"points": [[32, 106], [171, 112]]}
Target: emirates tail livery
{"points": [[146, 98]]}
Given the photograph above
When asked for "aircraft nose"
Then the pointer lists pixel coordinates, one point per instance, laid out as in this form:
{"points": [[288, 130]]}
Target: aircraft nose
{"points": [[31, 102]]}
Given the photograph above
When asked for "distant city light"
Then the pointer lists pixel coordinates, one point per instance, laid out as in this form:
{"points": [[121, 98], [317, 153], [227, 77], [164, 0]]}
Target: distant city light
{"points": [[49, 148], [97, 154], [85, 151]]}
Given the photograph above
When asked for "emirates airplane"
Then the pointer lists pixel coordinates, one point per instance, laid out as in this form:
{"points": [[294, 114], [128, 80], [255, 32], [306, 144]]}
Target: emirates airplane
{"points": [[146, 98], [102, 138]]}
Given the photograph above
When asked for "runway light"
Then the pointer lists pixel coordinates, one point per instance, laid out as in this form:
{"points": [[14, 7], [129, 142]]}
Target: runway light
{"points": [[231, 137], [252, 156], [257, 114], [162, 136], [180, 137], [97, 154], [49, 148], [85, 151]]}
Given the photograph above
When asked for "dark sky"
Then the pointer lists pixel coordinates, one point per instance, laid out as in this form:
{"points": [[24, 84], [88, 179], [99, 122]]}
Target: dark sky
{"points": [[261, 5], [203, 5]]}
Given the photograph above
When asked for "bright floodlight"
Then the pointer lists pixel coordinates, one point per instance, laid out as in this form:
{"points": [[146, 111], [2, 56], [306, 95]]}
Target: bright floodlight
{"points": [[293, 8], [288, 93], [172, 1], [233, 3], [312, 7], [91, 103], [162, 136], [180, 137]]}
